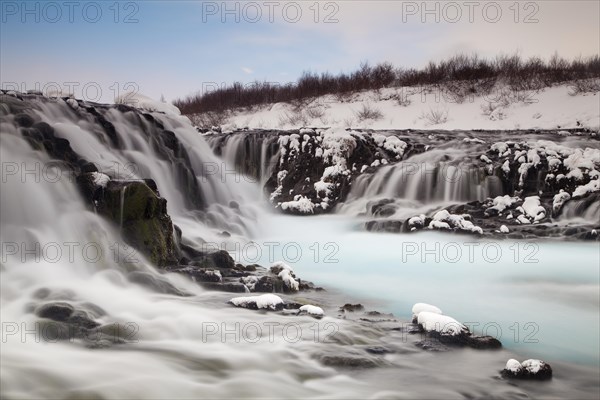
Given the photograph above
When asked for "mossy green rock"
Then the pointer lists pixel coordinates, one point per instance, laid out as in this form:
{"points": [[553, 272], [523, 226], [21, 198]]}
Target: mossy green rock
{"points": [[142, 216]]}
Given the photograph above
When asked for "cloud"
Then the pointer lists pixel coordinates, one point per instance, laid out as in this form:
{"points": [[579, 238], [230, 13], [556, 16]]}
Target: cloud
{"points": [[248, 70]]}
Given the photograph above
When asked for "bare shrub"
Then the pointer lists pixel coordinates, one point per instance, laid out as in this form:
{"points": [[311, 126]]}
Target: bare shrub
{"points": [[583, 86], [435, 116], [477, 76], [368, 112], [293, 118], [487, 108], [209, 119], [315, 112]]}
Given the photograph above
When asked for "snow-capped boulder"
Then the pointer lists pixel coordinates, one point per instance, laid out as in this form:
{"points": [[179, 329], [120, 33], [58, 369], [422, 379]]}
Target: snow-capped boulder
{"points": [[421, 307], [528, 369], [311, 310], [263, 302]]}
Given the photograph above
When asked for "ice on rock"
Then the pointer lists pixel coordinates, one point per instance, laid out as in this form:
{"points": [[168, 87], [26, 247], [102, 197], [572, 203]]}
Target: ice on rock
{"points": [[266, 301], [504, 229]]}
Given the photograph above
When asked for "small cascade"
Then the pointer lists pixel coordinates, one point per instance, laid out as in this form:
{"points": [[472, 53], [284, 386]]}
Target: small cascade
{"points": [[429, 178], [123, 190], [253, 153]]}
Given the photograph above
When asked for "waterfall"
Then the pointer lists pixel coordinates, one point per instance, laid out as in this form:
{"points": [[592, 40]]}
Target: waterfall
{"points": [[438, 176]]}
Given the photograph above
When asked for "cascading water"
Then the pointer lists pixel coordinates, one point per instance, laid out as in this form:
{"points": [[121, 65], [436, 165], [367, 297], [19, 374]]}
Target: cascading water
{"points": [[165, 351]]}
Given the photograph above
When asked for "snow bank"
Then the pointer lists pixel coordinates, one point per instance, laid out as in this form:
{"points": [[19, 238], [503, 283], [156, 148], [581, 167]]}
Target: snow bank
{"points": [[552, 107], [142, 102]]}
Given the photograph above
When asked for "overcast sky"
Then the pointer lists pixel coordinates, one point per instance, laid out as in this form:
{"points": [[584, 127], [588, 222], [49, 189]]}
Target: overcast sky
{"points": [[176, 48]]}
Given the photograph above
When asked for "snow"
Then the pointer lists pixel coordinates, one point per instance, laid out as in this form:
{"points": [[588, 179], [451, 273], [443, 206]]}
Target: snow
{"points": [[513, 366], [533, 366], [100, 179], [485, 159], [323, 187], [250, 281], [266, 301], [444, 220], [418, 220], [395, 145], [504, 229], [312, 310], [500, 203], [532, 208], [421, 307], [590, 187], [559, 200], [139, 101], [552, 107], [300, 203], [506, 167], [533, 157], [500, 147], [438, 225], [443, 324], [523, 169], [287, 276]]}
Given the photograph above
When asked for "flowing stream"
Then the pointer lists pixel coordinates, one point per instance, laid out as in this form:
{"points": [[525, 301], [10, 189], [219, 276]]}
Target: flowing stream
{"points": [[53, 243]]}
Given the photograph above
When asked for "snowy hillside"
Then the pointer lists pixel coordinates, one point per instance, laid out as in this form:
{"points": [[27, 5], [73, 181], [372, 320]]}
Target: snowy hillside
{"points": [[425, 108]]}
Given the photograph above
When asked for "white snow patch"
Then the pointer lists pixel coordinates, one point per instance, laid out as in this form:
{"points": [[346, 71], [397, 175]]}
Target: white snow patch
{"points": [[443, 324], [100, 179], [139, 101], [266, 301], [300, 203], [312, 310]]}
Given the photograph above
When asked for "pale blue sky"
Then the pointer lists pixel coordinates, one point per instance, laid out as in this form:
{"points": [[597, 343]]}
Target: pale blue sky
{"points": [[178, 47]]}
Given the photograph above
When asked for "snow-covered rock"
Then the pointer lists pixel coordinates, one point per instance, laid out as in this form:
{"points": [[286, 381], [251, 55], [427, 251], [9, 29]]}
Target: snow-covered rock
{"points": [[142, 102], [301, 204], [442, 324], [421, 307], [528, 369], [265, 301], [311, 310]]}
